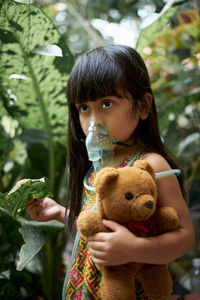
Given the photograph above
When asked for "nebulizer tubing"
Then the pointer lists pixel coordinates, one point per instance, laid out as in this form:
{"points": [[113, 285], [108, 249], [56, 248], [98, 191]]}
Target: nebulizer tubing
{"points": [[90, 188], [100, 148], [177, 172]]}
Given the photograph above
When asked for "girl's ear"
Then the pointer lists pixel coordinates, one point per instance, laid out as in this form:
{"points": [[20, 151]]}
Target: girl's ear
{"points": [[145, 106]]}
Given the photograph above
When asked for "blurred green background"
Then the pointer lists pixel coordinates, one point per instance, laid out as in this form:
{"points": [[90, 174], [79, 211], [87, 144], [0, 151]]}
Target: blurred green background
{"points": [[39, 43]]}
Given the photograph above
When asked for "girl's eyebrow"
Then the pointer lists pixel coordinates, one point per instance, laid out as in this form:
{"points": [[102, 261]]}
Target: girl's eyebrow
{"points": [[80, 104], [111, 97]]}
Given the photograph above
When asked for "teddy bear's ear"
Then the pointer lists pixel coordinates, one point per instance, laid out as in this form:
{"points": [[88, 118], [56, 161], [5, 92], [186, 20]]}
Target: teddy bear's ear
{"points": [[145, 165], [104, 177]]}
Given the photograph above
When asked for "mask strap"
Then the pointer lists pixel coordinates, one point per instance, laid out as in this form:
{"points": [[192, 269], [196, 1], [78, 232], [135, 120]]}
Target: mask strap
{"points": [[122, 144]]}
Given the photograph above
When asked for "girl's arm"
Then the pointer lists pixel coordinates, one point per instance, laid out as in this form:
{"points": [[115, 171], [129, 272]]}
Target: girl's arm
{"points": [[45, 210], [121, 246]]}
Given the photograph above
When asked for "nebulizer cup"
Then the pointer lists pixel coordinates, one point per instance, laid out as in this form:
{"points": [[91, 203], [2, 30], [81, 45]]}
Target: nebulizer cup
{"points": [[99, 145]]}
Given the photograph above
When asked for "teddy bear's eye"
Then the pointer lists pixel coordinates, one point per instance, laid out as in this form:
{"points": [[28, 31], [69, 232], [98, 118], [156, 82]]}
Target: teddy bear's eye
{"points": [[151, 192], [129, 196]]}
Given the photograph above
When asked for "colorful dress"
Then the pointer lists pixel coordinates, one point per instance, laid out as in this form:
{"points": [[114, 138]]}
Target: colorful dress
{"points": [[84, 279]]}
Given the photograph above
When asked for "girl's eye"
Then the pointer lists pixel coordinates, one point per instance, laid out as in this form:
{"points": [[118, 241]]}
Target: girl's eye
{"points": [[107, 104], [83, 108]]}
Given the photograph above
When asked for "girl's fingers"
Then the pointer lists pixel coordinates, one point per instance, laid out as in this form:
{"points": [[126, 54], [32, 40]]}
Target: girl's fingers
{"points": [[32, 203], [97, 246], [98, 237], [97, 254]]}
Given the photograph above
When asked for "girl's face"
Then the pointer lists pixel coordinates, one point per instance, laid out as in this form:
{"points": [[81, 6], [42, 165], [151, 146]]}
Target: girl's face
{"points": [[116, 112]]}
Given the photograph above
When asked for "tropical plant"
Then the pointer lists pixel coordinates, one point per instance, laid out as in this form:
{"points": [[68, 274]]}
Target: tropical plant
{"points": [[35, 63], [173, 60], [34, 67]]}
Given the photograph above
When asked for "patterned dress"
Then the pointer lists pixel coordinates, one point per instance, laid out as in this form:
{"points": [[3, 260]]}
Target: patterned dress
{"points": [[84, 279]]}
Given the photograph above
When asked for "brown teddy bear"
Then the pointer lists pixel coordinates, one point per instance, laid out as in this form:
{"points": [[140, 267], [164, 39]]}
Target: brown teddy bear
{"points": [[129, 196]]}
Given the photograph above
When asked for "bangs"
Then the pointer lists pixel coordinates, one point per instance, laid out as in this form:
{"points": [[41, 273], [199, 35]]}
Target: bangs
{"points": [[95, 75], [108, 71]]}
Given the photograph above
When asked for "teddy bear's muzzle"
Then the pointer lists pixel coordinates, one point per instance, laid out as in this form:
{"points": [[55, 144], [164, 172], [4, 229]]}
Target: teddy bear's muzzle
{"points": [[143, 207]]}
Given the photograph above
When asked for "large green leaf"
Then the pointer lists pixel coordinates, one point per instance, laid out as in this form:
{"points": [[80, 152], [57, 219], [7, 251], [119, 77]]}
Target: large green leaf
{"points": [[35, 63], [15, 201], [151, 32], [35, 234]]}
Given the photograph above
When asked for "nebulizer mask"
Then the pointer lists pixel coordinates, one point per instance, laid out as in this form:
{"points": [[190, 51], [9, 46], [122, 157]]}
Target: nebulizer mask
{"points": [[99, 145]]}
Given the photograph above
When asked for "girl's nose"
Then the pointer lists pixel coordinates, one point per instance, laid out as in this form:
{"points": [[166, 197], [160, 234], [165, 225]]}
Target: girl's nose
{"points": [[96, 115]]}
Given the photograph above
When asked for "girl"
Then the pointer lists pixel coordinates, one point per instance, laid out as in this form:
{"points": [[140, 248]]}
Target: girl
{"points": [[111, 84]]}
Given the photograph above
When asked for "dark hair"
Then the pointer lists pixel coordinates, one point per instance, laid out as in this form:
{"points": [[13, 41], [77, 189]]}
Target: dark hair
{"points": [[106, 71]]}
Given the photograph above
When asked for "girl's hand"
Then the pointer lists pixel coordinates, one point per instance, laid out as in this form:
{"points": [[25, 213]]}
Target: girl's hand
{"points": [[45, 210], [111, 248]]}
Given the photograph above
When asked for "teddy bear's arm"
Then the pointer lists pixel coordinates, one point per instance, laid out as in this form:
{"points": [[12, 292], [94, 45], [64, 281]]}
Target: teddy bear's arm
{"points": [[167, 219], [89, 222]]}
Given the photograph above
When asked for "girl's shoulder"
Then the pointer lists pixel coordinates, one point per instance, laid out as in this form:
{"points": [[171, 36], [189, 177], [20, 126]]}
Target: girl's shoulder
{"points": [[157, 161], [167, 186]]}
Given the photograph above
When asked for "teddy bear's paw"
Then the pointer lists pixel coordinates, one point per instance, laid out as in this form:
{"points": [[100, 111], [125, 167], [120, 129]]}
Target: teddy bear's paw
{"points": [[167, 219], [89, 223]]}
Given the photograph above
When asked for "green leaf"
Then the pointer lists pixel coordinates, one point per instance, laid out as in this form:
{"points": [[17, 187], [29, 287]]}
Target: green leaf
{"points": [[40, 101], [15, 201], [34, 75], [35, 234], [151, 32], [176, 106]]}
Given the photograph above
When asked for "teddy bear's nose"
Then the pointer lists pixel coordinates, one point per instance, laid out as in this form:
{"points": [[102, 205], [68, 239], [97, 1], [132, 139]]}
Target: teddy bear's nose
{"points": [[149, 204]]}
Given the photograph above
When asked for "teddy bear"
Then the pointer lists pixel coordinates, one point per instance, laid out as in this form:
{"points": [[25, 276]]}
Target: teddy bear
{"points": [[129, 196]]}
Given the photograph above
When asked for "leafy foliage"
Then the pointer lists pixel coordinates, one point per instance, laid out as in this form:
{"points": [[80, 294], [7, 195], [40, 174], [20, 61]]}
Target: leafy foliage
{"points": [[173, 61], [33, 120], [150, 33]]}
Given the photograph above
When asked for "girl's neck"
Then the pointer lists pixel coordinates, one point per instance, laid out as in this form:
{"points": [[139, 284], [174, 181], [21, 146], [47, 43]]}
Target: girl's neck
{"points": [[121, 152]]}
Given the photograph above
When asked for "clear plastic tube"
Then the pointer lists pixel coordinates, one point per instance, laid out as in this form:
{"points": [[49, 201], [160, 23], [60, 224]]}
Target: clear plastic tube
{"points": [[160, 174], [169, 172]]}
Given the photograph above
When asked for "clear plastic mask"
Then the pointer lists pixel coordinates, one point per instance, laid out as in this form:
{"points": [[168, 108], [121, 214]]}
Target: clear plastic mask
{"points": [[99, 144]]}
